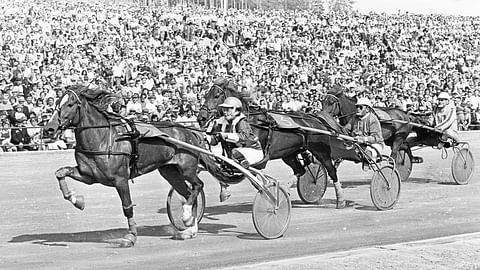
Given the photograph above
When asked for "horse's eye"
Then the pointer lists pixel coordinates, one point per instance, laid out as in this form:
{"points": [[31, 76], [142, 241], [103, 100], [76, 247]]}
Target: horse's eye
{"points": [[70, 105], [217, 95]]}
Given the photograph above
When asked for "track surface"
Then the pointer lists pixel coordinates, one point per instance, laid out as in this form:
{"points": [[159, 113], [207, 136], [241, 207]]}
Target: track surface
{"points": [[42, 231]]}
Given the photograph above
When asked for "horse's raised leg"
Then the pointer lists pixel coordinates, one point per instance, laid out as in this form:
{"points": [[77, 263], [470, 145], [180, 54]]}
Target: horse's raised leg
{"points": [[326, 160], [72, 172], [124, 192]]}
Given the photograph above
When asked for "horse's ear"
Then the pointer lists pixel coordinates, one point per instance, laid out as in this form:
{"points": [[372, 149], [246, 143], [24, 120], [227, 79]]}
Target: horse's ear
{"points": [[336, 90], [221, 81]]}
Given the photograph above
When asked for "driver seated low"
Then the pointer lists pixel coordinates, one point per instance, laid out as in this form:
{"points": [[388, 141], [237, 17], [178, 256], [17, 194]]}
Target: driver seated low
{"points": [[236, 137], [365, 128]]}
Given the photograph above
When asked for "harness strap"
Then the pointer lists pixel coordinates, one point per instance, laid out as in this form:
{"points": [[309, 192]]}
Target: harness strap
{"points": [[134, 135], [99, 153]]}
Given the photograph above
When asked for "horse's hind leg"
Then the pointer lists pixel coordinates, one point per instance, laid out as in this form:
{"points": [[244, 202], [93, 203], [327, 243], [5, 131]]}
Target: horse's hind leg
{"points": [[297, 167], [72, 172], [124, 192], [326, 160]]}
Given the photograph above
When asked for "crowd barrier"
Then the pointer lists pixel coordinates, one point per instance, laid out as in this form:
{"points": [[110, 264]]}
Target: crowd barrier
{"points": [[43, 143]]}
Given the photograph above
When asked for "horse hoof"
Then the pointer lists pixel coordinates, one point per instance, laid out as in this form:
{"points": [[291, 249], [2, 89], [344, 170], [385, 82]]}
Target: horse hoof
{"points": [[341, 204], [189, 233], [225, 196], [128, 240], [189, 222], [79, 202]]}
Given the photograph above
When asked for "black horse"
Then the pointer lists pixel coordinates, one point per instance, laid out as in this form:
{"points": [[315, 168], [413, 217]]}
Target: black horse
{"points": [[105, 153], [281, 142], [394, 122]]}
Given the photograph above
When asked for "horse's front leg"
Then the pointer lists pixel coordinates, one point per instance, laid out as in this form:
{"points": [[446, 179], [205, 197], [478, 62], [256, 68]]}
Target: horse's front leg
{"points": [[72, 172], [124, 192]]}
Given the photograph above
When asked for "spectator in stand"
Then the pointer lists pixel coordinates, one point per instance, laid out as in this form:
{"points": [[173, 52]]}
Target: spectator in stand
{"points": [[134, 104], [19, 135], [34, 132], [5, 134]]}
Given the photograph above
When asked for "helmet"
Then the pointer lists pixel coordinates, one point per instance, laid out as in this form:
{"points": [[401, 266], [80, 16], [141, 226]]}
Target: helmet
{"points": [[231, 102], [444, 95], [364, 101]]}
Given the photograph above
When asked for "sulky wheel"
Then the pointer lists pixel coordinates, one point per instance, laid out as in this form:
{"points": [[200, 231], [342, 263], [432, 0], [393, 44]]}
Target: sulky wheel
{"points": [[462, 166], [271, 221], [403, 163], [175, 202], [312, 184], [385, 196]]}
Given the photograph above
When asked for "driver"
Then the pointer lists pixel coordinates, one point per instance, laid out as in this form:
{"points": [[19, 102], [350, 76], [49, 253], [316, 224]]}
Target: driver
{"points": [[236, 137], [445, 119], [365, 127]]}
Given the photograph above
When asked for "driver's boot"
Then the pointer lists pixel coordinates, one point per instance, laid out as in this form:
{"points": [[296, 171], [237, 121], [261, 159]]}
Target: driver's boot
{"points": [[224, 193], [340, 197]]}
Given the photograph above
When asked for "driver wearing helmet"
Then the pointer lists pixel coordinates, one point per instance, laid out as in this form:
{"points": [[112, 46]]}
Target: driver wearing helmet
{"points": [[445, 119], [365, 127], [236, 137]]}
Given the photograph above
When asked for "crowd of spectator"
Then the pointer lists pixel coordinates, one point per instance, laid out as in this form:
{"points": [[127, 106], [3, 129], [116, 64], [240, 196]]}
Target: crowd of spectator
{"points": [[162, 60]]}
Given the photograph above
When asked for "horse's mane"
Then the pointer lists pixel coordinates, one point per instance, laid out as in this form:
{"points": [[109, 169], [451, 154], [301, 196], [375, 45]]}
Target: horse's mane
{"points": [[339, 92], [336, 91], [99, 97], [226, 84], [232, 87]]}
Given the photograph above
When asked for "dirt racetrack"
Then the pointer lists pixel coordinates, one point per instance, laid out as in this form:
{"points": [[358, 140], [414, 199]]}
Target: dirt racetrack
{"points": [[42, 231]]}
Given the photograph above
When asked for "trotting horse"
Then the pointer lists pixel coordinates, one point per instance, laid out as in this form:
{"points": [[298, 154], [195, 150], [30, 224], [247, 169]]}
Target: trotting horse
{"points": [[277, 142], [394, 133], [106, 153]]}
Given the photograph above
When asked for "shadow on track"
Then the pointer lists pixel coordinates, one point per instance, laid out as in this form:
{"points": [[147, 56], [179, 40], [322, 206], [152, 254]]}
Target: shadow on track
{"points": [[418, 180], [105, 236], [330, 204], [213, 212], [110, 236]]}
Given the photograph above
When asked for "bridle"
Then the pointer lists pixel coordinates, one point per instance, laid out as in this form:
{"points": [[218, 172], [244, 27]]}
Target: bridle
{"points": [[110, 126], [64, 126]]}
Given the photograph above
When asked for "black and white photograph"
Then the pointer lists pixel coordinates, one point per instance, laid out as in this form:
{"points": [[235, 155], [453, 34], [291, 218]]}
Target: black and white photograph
{"points": [[239, 134]]}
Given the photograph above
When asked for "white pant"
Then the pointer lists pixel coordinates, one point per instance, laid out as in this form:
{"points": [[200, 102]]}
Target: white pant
{"points": [[251, 155], [371, 148]]}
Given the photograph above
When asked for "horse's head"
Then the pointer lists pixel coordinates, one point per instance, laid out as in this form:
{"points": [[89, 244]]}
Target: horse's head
{"points": [[215, 96], [67, 114], [337, 104], [331, 104]]}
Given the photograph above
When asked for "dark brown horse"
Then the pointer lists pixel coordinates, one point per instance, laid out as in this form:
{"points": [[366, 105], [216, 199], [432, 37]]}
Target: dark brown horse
{"points": [[394, 133], [105, 154], [279, 143]]}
